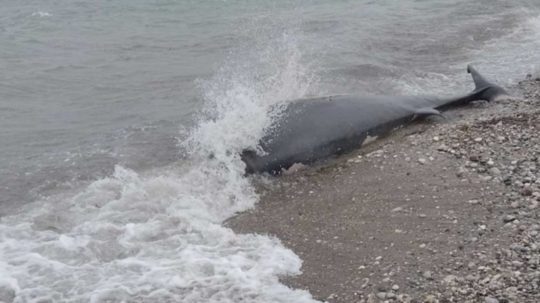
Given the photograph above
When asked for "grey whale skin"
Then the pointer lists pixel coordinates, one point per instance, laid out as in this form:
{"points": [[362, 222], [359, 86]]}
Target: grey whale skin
{"points": [[313, 129]]}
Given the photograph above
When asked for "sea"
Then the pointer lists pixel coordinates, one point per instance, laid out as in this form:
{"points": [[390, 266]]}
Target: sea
{"points": [[121, 123]]}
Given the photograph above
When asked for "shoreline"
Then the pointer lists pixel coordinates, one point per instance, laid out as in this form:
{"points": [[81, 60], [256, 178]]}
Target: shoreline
{"points": [[441, 211]]}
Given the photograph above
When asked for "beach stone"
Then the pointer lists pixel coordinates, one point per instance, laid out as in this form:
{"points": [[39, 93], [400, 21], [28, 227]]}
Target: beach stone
{"points": [[509, 218], [397, 209], [431, 299], [461, 171], [491, 300], [495, 171], [427, 275], [526, 191], [332, 297], [450, 279], [404, 298], [371, 298]]}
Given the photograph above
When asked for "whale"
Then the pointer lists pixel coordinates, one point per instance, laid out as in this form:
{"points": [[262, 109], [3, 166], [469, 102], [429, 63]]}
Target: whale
{"points": [[313, 129]]}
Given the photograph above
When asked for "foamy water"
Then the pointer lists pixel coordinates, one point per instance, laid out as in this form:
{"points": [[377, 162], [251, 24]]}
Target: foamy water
{"points": [[41, 14], [108, 202], [505, 59], [157, 237]]}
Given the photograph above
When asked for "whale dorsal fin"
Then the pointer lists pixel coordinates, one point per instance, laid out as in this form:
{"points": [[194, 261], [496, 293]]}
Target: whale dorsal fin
{"points": [[479, 80], [484, 90]]}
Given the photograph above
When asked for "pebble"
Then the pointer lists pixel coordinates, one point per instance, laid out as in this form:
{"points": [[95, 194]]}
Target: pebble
{"points": [[427, 275], [509, 218], [517, 263], [450, 279], [526, 191], [332, 297], [443, 148], [431, 299], [404, 298], [495, 171], [491, 300], [474, 158], [504, 147]]}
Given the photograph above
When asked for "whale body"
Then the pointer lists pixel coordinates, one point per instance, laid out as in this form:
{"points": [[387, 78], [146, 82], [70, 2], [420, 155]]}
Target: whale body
{"points": [[312, 129]]}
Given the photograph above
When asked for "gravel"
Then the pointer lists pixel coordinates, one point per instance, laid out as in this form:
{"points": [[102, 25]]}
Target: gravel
{"points": [[440, 212]]}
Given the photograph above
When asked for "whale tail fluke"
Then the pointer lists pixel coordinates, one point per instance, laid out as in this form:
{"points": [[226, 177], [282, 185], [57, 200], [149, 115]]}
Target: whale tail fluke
{"points": [[485, 90]]}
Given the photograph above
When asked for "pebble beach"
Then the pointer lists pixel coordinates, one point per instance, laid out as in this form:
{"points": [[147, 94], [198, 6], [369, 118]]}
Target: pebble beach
{"points": [[445, 210]]}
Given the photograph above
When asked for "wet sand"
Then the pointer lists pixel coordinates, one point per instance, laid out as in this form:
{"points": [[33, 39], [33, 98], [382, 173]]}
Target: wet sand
{"points": [[444, 210]]}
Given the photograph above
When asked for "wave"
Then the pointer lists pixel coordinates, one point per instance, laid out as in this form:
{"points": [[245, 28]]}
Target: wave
{"points": [[504, 58], [158, 236]]}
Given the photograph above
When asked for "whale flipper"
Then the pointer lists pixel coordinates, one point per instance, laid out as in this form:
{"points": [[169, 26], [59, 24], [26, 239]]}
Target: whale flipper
{"points": [[426, 112]]}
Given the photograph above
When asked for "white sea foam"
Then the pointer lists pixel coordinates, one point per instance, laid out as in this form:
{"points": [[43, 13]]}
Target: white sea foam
{"points": [[158, 237], [41, 14], [514, 55], [505, 60]]}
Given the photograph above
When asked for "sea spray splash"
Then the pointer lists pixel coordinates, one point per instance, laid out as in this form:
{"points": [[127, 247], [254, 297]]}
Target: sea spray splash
{"points": [[157, 237], [244, 95]]}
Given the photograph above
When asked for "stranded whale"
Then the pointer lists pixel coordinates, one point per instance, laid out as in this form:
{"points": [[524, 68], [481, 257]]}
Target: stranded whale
{"points": [[312, 129]]}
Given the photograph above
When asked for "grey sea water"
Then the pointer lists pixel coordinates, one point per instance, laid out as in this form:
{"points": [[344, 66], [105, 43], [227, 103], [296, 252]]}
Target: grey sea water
{"points": [[108, 110], [88, 85]]}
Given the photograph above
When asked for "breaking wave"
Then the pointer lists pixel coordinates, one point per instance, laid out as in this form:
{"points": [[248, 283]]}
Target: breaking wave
{"points": [[158, 236]]}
